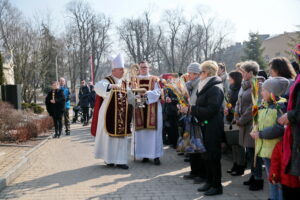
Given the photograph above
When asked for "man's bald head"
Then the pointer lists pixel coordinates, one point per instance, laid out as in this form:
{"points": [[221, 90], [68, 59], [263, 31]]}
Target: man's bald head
{"points": [[62, 81]]}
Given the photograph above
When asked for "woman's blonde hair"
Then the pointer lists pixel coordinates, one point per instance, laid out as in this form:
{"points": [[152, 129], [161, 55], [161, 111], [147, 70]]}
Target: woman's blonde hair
{"points": [[209, 66], [238, 65]]}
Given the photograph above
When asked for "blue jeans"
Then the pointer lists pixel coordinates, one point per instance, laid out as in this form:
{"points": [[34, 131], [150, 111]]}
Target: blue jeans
{"points": [[275, 191], [257, 170]]}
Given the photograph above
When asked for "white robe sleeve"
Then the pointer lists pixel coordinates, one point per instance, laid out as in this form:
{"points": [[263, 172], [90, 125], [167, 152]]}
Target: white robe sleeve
{"points": [[153, 95], [101, 88], [131, 97]]}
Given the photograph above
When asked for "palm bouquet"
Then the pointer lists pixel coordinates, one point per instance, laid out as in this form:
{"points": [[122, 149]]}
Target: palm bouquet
{"points": [[254, 96], [178, 87]]}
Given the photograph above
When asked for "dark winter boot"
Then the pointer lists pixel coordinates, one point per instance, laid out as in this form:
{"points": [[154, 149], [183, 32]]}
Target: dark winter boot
{"points": [[59, 133], [233, 168], [251, 179], [56, 134], [238, 171], [257, 185]]}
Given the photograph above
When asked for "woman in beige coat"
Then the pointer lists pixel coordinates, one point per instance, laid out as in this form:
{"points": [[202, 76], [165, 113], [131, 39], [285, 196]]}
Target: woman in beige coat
{"points": [[243, 111]]}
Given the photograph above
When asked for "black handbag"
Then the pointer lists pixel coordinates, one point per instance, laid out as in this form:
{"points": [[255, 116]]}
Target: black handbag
{"points": [[232, 135]]}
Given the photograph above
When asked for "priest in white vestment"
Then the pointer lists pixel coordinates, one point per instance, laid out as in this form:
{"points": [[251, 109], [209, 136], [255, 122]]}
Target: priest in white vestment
{"points": [[113, 126], [147, 140]]}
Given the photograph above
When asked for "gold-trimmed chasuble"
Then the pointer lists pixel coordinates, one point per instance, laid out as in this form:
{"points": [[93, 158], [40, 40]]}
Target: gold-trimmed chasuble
{"points": [[146, 118], [118, 112]]}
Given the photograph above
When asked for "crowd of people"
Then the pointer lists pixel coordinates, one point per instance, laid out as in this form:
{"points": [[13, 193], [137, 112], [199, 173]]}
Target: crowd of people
{"points": [[58, 104], [264, 112], [268, 130]]}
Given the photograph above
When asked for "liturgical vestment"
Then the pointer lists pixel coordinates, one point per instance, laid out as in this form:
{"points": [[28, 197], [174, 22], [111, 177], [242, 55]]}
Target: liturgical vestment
{"points": [[110, 148], [147, 142]]}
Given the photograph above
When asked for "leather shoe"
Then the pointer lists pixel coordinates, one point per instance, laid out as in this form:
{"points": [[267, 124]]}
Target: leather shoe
{"points": [[204, 188], [233, 168], [238, 171], [189, 176], [156, 161], [145, 160], [198, 180], [110, 165], [214, 191], [123, 166]]}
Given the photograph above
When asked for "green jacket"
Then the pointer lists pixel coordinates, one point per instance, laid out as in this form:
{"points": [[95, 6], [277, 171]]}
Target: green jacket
{"points": [[270, 131]]}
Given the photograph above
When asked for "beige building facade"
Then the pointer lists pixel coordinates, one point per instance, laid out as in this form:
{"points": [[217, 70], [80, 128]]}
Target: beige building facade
{"points": [[278, 45]]}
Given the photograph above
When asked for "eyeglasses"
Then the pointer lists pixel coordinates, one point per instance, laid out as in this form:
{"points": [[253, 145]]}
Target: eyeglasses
{"points": [[201, 72]]}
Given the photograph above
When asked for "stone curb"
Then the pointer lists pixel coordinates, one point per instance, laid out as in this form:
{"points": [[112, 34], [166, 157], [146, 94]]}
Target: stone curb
{"points": [[19, 168]]}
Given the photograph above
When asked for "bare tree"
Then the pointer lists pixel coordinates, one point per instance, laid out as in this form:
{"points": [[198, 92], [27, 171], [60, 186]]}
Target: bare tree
{"points": [[72, 55], [138, 37], [87, 40], [167, 39], [100, 41], [10, 18], [81, 20], [33, 48], [214, 40]]}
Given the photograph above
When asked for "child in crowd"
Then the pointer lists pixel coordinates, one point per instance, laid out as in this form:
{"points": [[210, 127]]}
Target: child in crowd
{"points": [[269, 131], [290, 184]]}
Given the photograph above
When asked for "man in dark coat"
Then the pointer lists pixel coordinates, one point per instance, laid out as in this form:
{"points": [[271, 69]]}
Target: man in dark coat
{"points": [[171, 117], [55, 104], [92, 99], [84, 99]]}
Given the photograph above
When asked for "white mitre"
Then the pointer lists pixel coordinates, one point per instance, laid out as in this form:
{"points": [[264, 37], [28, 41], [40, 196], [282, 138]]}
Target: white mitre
{"points": [[118, 61]]}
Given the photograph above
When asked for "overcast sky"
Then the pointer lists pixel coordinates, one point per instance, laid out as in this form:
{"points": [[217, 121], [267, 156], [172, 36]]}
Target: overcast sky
{"points": [[264, 16]]}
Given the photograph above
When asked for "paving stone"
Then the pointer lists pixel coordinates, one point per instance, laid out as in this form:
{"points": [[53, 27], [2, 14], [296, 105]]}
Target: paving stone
{"points": [[65, 168]]}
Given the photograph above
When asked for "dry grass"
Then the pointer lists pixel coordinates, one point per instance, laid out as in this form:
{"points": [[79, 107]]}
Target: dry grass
{"points": [[19, 126]]}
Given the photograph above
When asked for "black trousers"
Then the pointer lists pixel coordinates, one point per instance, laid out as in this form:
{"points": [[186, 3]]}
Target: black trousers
{"points": [[257, 170], [85, 114], [67, 120], [290, 193], [57, 119], [198, 167], [171, 129], [213, 169]]}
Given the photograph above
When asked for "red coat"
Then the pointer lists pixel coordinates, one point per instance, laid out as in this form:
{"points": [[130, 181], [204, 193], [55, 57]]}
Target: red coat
{"points": [[277, 169]]}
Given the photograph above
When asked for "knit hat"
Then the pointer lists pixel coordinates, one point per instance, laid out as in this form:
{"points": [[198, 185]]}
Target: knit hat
{"points": [[276, 85], [194, 68]]}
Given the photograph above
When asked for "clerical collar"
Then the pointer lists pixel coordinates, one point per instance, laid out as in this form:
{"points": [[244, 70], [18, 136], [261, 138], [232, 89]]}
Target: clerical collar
{"points": [[144, 76]]}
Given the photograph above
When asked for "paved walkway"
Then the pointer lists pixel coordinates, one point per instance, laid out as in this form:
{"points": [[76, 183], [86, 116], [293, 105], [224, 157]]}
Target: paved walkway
{"points": [[12, 153], [65, 169]]}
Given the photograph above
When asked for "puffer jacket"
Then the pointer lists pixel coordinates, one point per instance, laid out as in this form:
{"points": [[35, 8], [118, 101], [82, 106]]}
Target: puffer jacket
{"points": [[277, 172], [270, 131]]}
